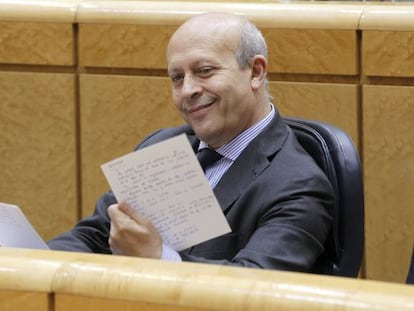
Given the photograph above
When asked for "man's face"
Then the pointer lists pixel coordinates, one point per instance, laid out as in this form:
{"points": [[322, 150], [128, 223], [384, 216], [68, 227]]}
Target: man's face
{"points": [[213, 95]]}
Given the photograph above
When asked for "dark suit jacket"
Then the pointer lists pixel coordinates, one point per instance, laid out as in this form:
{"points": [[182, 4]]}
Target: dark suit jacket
{"points": [[279, 205]]}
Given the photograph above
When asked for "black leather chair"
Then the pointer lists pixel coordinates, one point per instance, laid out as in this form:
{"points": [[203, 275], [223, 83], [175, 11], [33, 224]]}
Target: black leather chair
{"points": [[335, 153], [410, 274]]}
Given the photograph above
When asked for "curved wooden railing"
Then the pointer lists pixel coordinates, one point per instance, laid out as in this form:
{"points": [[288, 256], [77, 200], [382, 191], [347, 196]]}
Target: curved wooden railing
{"points": [[281, 14], [74, 281]]}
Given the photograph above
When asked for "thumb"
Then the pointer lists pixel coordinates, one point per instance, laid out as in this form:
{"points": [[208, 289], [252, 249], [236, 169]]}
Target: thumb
{"points": [[129, 211]]}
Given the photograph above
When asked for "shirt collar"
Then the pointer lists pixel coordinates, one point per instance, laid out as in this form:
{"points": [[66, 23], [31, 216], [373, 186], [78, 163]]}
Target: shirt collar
{"points": [[232, 149]]}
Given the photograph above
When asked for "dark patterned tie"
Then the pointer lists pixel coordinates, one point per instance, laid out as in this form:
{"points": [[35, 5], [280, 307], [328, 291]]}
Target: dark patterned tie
{"points": [[207, 157]]}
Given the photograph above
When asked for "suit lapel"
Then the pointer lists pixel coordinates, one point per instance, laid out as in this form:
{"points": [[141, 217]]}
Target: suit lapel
{"points": [[251, 163]]}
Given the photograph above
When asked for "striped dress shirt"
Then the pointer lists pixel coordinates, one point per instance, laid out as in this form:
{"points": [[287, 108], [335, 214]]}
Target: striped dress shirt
{"points": [[233, 149]]}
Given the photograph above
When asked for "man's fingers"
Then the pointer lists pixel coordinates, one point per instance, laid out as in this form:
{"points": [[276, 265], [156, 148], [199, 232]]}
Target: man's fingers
{"points": [[112, 211], [118, 217], [132, 234], [128, 210]]}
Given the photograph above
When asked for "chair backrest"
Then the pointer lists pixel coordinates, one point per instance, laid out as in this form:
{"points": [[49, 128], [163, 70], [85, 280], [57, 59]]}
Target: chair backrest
{"points": [[410, 274], [334, 152]]}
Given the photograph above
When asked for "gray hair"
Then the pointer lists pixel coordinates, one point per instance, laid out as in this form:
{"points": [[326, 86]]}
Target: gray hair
{"points": [[251, 43]]}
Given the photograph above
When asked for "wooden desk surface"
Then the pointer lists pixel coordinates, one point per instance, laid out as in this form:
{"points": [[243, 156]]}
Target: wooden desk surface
{"points": [[191, 285]]}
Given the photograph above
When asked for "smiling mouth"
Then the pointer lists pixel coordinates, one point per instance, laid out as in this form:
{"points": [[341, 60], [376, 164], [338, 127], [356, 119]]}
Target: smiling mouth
{"points": [[200, 107]]}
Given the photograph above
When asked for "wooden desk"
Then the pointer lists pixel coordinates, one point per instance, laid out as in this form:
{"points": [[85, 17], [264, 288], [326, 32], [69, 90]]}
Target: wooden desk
{"points": [[74, 281]]}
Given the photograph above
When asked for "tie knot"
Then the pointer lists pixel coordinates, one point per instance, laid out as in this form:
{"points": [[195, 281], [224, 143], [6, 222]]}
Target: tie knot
{"points": [[207, 157]]}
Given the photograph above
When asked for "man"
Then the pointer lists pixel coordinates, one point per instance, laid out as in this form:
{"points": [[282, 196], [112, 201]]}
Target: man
{"points": [[277, 201]]}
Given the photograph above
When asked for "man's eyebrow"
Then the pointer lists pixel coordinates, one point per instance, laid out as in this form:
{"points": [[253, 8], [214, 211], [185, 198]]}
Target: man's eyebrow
{"points": [[172, 71], [195, 64]]}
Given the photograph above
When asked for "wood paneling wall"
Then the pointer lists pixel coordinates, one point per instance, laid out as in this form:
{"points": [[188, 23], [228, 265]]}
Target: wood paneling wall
{"points": [[38, 132], [81, 82]]}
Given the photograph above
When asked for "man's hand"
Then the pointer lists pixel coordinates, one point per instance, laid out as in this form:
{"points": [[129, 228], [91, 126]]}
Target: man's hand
{"points": [[131, 234]]}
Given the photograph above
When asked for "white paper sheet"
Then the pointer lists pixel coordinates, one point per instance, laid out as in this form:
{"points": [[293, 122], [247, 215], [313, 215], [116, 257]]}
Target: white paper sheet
{"points": [[16, 230], [165, 183]]}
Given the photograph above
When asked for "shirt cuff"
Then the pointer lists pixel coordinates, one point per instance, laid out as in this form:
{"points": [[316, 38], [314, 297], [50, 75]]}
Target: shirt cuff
{"points": [[169, 254]]}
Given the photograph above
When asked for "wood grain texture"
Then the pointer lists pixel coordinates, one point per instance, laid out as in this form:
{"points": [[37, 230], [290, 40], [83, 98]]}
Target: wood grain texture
{"points": [[37, 148], [24, 300], [62, 11], [269, 13], [117, 113], [124, 46], [76, 302], [333, 103], [388, 114], [36, 43], [388, 16], [97, 282], [388, 53], [191, 286], [312, 51]]}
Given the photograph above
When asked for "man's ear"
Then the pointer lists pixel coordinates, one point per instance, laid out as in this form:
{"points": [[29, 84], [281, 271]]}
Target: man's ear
{"points": [[259, 71]]}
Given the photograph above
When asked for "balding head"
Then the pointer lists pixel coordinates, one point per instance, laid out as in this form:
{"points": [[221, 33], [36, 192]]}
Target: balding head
{"points": [[217, 65], [233, 31], [211, 28]]}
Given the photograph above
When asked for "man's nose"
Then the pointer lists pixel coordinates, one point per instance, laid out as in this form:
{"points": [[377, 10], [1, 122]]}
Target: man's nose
{"points": [[191, 87]]}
